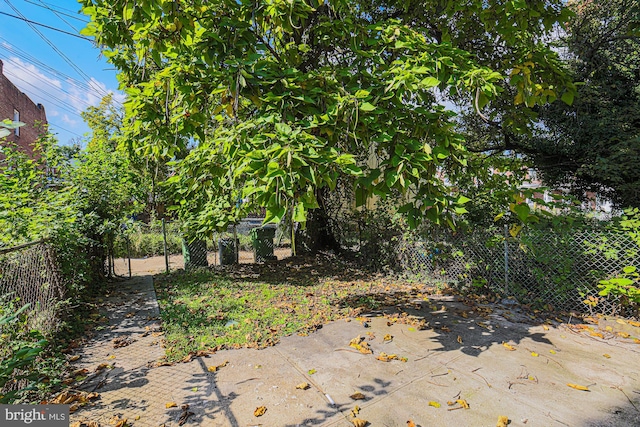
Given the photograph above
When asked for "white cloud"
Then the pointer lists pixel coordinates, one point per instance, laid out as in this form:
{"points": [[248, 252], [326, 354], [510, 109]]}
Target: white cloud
{"points": [[68, 120]]}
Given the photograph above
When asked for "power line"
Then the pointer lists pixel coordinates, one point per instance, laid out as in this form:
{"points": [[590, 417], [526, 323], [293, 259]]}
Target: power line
{"points": [[62, 104], [52, 8], [25, 56], [53, 46], [30, 22], [61, 128], [59, 16]]}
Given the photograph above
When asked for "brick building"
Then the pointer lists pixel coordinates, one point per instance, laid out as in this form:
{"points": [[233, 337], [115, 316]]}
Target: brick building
{"points": [[15, 105]]}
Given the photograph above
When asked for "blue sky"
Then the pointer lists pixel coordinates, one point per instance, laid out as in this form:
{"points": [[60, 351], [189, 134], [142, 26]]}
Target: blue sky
{"points": [[67, 77]]}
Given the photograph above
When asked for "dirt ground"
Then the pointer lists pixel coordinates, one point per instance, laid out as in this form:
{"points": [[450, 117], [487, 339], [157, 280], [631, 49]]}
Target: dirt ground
{"points": [[155, 265]]}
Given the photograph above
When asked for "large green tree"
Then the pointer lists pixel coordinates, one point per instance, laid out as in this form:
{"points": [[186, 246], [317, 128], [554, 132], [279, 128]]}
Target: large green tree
{"points": [[280, 98], [593, 143]]}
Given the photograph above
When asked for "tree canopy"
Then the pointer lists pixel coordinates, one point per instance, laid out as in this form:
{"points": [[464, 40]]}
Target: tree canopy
{"points": [[278, 99]]}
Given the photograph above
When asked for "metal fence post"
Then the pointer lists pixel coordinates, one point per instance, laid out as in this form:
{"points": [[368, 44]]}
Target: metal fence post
{"points": [[164, 237], [506, 259], [129, 255]]}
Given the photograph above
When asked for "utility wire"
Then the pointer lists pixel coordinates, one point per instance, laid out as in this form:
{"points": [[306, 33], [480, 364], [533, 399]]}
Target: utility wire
{"points": [[30, 22], [61, 128], [25, 56], [53, 8], [63, 103], [58, 51], [59, 16]]}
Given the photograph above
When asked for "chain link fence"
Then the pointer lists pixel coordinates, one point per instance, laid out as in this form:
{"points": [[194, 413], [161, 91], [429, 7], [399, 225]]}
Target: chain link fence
{"points": [[29, 275], [543, 268]]}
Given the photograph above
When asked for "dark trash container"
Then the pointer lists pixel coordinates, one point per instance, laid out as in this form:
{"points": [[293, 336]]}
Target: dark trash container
{"points": [[228, 251], [194, 253], [262, 242]]}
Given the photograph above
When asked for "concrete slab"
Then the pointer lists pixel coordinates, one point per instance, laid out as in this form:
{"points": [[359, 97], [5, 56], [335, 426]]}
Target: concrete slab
{"points": [[460, 355]]}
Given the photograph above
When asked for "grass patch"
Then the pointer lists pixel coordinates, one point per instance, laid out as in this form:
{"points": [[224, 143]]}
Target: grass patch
{"points": [[256, 305]]}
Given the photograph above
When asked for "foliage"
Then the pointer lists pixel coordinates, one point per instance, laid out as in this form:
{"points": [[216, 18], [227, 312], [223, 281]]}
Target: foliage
{"points": [[592, 145], [19, 350], [34, 203], [280, 99]]}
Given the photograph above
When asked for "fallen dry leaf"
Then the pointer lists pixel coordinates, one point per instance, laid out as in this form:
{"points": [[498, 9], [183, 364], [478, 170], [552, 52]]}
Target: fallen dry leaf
{"points": [[624, 334], [503, 421], [74, 358], [303, 386], [384, 357], [170, 405], [410, 423], [357, 396], [260, 410], [359, 344], [463, 403], [546, 328], [434, 404], [508, 346], [534, 354], [387, 337], [312, 371], [596, 334], [578, 387], [102, 366], [355, 411], [552, 351], [634, 323], [607, 356], [459, 339], [215, 368], [357, 422]]}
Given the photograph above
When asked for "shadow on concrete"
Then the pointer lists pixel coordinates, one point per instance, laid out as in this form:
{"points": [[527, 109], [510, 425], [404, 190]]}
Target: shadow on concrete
{"points": [[207, 402]]}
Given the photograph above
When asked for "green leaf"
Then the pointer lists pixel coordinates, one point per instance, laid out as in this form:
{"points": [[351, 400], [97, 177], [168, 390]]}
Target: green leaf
{"points": [[299, 213], [567, 97], [430, 82], [366, 106]]}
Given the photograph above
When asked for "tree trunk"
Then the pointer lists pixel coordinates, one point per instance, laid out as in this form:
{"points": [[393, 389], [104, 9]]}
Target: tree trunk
{"points": [[317, 235]]}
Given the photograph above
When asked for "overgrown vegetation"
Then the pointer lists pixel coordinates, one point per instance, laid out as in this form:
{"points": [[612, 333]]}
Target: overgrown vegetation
{"points": [[256, 305]]}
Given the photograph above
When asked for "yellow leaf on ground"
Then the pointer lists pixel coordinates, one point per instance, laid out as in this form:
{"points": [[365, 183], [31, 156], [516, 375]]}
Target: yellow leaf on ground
{"points": [[312, 371], [410, 423], [357, 396], [303, 386], [170, 405], [634, 323], [508, 346], [596, 334], [621, 321], [357, 422], [624, 334], [459, 339], [260, 410], [388, 337], [552, 351], [463, 403], [74, 358], [355, 411], [578, 387], [546, 328], [215, 368], [113, 356], [503, 421], [607, 356], [434, 404], [534, 354]]}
